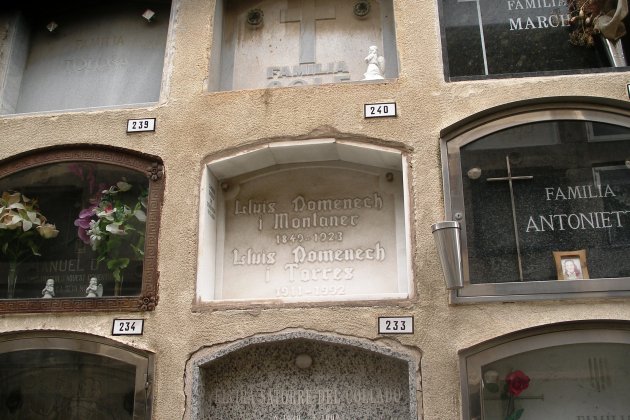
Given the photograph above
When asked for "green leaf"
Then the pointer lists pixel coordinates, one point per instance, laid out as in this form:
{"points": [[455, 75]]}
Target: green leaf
{"points": [[118, 263], [515, 415], [34, 248]]}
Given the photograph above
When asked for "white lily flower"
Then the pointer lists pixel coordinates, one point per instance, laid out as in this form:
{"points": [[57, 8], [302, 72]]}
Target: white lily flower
{"points": [[123, 185], [26, 225], [47, 231], [140, 215], [114, 229]]}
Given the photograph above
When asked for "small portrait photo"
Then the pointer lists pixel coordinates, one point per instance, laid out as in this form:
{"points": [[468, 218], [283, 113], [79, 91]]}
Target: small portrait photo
{"points": [[571, 265]]}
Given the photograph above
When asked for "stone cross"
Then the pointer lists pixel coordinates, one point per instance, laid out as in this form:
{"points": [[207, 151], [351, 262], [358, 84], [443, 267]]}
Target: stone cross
{"points": [[509, 179], [307, 15]]}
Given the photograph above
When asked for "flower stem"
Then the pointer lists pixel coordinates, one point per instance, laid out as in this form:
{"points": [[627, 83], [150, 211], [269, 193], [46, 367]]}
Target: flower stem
{"points": [[510, 407]]}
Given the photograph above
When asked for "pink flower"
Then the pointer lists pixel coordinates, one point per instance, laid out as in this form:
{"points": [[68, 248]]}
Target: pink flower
{"points": [[83, 223]]}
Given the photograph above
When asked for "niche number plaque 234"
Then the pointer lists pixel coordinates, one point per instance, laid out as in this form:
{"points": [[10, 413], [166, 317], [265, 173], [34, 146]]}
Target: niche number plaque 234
{"points": [[395, 325], [128, 327]]}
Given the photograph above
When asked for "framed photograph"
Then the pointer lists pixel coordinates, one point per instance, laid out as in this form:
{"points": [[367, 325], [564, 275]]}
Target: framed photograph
{"points": [[571, 265]]}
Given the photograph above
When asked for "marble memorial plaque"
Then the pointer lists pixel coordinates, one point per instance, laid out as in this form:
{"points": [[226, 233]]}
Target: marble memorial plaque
{"points": [[300, 42], [97, 56], [486, 37], [303, 379], [313, 232]]}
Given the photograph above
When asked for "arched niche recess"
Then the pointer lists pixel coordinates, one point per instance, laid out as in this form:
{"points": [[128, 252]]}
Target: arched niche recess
{"points": [[302, 374], [541, 190], [79, 230], [572, 371], [305, 221], [66, 375]]}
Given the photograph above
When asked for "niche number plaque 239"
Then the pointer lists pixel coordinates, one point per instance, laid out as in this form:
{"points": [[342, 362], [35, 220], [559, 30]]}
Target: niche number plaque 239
{"points": [[144, 124], [395, 325], [128, 327]]}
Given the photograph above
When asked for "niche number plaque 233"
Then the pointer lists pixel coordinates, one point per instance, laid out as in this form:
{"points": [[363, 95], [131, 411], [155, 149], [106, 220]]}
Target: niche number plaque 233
{"points": [[395, 325]]}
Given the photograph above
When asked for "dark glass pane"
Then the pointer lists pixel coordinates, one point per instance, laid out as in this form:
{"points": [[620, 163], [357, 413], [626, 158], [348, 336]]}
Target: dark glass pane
{"points": [[65, 385], [489, 38], [577, 198], [98, 212]]}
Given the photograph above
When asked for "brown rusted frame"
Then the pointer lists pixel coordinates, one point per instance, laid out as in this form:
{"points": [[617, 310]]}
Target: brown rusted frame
{"points": [[154, 170]]}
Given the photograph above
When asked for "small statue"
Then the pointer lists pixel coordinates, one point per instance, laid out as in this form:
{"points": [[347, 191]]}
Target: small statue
{"points": [[94, 289], [376, 65], [48, 292]]}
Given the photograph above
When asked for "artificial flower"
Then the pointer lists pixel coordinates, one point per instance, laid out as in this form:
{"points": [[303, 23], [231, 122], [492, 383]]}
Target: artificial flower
{"points": [[123, 185], [22, 227], [47, 231], [113, 226], [517, 382]]}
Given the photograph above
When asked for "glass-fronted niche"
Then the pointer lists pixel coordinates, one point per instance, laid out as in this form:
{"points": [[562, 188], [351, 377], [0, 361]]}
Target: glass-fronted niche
{"points": [[280, 43], [338, 231], [78, 230], [575, 374], [544, 209], [57, 55], [491, 38], [73, 377]]}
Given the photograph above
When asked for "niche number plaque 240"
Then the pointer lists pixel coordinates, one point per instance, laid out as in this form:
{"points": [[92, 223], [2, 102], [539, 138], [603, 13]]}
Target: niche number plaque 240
{"points": [[395, 325], [379, 110]]}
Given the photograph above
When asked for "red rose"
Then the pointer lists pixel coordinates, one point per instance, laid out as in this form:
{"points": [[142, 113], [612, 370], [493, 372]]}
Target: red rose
{"points": [[517, 382]]}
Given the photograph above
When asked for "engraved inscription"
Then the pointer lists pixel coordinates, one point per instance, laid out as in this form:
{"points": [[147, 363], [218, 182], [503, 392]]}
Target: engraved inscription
{"points": [[318, 396], [594, 219], [81, 58], [293, 241], [304, 74], [304, 262]]}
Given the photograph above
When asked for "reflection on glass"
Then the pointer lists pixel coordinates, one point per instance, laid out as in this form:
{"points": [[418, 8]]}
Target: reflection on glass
{"points": [[72, 229], [545, 187], [60, 384], [563, 382]]}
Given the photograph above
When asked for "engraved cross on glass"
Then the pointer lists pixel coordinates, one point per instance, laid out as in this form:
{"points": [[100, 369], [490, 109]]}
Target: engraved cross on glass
{"points": [[509, 178], [308, 14]]}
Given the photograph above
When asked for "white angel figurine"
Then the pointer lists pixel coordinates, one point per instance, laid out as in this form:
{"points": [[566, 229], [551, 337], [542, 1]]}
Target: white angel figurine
{"points": [[94, 289], [376, 65], [48, 291]]}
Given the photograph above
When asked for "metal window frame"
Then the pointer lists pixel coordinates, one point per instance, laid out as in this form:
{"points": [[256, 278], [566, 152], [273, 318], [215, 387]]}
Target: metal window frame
{"points": [[84, 343], [476, 128], [472, 360]]}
